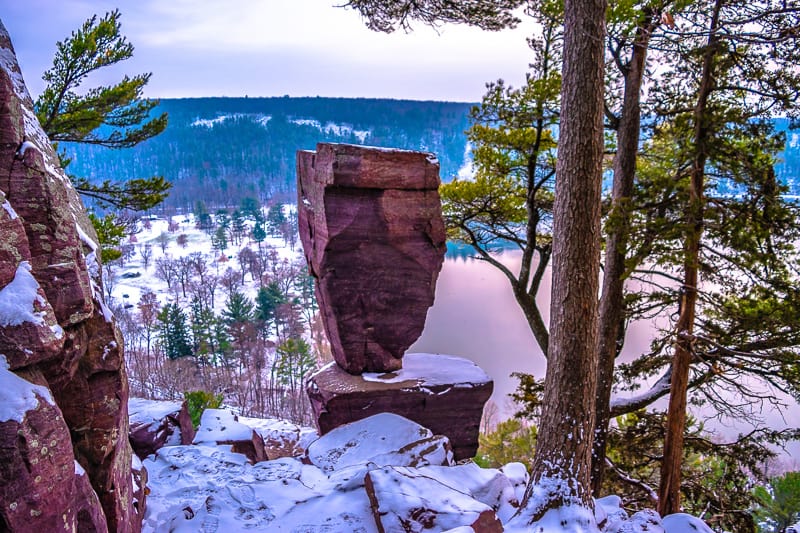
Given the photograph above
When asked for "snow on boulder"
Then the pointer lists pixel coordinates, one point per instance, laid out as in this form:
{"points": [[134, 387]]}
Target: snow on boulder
{"points": [[407, 500], [155, 424], [684, 523], [487, 485], [443, 393], [206, 488], [518, 475], [384, 439], [645, 521], [281, 437], [38, 475], [609, 513], [220, 426]]}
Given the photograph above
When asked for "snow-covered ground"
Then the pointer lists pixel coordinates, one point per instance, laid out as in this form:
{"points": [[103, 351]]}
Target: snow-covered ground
{"points": [[132, 279], [384, 473]]}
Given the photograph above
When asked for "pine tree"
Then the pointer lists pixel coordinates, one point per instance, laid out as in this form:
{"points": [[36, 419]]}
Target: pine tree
{"points": [[114, 116], [173, 332], [268, 300]]}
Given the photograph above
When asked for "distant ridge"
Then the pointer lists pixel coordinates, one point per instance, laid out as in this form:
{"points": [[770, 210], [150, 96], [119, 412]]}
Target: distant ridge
{"points": [[220, 150]]}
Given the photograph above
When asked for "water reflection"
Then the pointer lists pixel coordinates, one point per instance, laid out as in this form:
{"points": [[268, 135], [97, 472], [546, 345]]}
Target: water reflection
{"points": [[475, 316]]}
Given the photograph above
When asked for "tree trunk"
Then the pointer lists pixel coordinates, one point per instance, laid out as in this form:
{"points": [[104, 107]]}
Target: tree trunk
{"points": [[669, 489], [612, 298], [562, 464]]}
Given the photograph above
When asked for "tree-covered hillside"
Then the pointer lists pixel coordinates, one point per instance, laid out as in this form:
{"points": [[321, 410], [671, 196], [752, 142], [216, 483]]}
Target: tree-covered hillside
{"points": [[223, 149]]}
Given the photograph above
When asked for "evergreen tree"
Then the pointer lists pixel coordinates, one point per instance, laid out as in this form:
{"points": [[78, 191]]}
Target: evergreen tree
{"points": [[219, 239], [173, 331], [294, 363], [778, 503], [509, 202], [276, 218], [238, 309], [268, 300], [114, 116]]}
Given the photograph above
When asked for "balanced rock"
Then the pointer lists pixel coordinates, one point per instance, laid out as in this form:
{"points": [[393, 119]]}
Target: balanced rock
{"points": [[440, 392], [372, 230], [58, 335]]}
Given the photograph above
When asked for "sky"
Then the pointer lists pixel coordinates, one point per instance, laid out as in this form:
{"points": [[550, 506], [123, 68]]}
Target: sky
{"points": [[274, 48]]}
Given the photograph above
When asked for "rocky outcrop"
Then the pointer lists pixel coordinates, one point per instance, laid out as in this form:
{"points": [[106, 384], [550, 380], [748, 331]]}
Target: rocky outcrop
{"points": [[371, 226], [404, 500], [220, 426], [57, 334], [442, 393], [155, 424], [346, 482]]}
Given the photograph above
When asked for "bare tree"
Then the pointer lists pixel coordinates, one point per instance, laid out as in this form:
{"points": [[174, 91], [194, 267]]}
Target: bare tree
{"points": [[146, 253]]}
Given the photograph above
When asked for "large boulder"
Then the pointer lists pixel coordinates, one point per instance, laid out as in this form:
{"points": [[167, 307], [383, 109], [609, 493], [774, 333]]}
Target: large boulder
{"points": [[381, 439], [221, 426], [372, 230], [41, 485], [443, 393], [155, 424], [405, 500], [57, 333]]}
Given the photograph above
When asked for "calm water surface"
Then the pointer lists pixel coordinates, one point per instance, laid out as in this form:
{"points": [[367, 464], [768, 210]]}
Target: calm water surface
{"points": [[475, 316]]}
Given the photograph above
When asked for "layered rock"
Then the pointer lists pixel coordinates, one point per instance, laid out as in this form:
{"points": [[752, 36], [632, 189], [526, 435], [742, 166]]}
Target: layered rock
{"points": [[443, 393], [371, 226], [57, 333]]}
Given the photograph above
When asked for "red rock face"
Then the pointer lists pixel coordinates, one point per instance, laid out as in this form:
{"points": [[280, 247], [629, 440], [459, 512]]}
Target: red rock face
{"points": [[371, 226], [450, 407], [58, 335]]}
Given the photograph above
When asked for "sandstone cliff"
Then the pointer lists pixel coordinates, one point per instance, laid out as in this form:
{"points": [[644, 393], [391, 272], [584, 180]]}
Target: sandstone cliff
{"points": [[65, 460]]}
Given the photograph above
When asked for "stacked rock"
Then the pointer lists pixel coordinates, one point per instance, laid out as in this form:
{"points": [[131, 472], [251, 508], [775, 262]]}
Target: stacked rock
{"points": [[371, 225]]}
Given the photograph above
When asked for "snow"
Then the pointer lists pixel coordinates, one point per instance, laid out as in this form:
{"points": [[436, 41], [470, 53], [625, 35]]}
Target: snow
{"points": [[18, 297], [34, 135], [684, 523], [79, 471], [281, 431], [85, 239], [10, 210], [371, 441], [431, 370], [24, 148], [351, 478], [258, 118], [148, 412], [331, 128], [407, 499], [18, 396], [8, 62], [221, 425]]}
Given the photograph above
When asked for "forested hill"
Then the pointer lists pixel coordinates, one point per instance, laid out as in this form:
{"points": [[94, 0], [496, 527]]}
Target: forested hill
{"points": [[223, 149]]}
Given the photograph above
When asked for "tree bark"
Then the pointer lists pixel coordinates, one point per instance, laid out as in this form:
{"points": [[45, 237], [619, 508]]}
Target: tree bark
{"points": [[562, 464], [669, 489], [612, 298]]}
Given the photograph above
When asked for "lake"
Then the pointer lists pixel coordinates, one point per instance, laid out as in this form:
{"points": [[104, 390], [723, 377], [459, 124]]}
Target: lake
{"points": [[475, 316]]}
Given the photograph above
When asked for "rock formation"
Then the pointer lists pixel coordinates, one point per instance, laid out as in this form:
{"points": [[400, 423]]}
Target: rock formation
{"points": [[220, 426], [371, 226], [443, 393], [155, 424], [64, 450]]}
